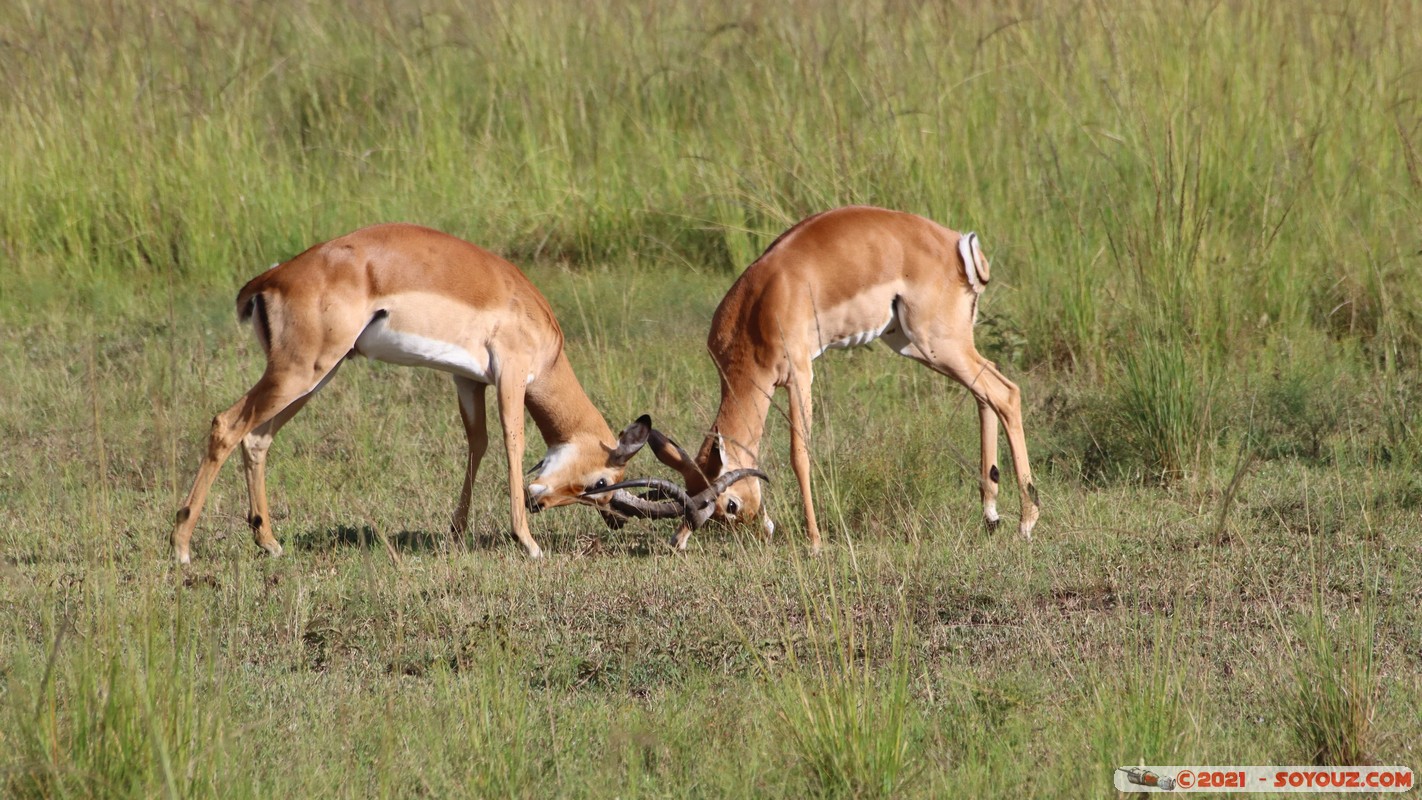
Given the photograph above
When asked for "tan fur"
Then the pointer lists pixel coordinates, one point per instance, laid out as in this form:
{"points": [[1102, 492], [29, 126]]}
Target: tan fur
{"points": [[394, 282], [830, 277]]}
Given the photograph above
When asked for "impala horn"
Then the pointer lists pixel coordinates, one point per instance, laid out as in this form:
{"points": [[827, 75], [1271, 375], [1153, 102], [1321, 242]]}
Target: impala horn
{"points": [[676, 503]]}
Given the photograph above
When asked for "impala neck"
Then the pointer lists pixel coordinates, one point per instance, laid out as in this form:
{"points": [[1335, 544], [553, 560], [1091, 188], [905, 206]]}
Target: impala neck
{"points": [[561, 409], [740, 420]]}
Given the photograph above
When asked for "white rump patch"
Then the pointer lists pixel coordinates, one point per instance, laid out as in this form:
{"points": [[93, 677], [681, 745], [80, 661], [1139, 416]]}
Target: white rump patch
{"points": [[380, 342]]}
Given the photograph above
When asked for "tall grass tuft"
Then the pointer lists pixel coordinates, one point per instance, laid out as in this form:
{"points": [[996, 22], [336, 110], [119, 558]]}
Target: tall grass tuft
{"points": [[1141, 714], [1336, 688], [478, 735], [121, 721], [1165, 406], [847, 719]]}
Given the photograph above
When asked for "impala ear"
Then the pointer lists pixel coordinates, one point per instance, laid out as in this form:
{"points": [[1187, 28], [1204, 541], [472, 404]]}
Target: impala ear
{"points": [[670, 453], [716, 450], [631, 440]]}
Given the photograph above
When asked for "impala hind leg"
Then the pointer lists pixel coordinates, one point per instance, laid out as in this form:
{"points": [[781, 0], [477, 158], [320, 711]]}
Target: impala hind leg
{"points": [[254, 465], [273, 393], [994, 391], [936, 330], [989, 476], [476, 431]]}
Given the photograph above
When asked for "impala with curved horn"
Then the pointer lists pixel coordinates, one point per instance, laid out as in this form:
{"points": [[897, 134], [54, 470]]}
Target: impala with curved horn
{"points": [[413, 296], [838, 279]]}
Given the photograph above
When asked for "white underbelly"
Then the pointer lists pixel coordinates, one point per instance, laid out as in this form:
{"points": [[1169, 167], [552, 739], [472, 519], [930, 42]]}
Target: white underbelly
{"points": [[863, 337], [380, 342]]}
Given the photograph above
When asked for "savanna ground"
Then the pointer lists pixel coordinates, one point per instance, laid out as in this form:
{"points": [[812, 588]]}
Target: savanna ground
{"points": [[1204, 226]]}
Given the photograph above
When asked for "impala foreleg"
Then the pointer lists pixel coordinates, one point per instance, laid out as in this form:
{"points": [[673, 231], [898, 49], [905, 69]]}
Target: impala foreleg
{"points": [[511, 393], [801, 414]]}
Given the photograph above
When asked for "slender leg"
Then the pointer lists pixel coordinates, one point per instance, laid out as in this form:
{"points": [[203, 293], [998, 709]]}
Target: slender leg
{"points": [[511, 387], [801, 408], [991, 388], [476, 430], [271, 394], [254, 465], [682, 535], [988, 480], [937, 331]]}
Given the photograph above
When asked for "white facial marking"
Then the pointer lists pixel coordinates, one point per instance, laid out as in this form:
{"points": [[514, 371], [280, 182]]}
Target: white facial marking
{"points": [[990, 511], [380, 342], [537, 490], [552, 460], [766, 525]]}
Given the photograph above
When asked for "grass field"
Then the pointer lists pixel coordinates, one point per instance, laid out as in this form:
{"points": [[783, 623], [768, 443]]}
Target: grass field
{"points": [[1203, 221]]}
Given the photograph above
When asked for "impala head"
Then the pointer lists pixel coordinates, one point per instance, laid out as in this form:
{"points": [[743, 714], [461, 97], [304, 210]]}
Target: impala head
{"points": [[585, 464], [741, 501]]}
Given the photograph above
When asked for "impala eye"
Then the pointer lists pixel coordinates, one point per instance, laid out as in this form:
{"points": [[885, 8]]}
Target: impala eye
{"points": [[732, 507], [601, 484]]}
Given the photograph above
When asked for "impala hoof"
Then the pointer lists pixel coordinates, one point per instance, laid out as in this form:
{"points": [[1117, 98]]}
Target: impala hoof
{"points": [[1028, 521]]}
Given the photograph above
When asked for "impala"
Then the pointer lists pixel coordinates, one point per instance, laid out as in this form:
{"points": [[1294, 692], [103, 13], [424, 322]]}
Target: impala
{"points": [[417, 297], [838, 279]]}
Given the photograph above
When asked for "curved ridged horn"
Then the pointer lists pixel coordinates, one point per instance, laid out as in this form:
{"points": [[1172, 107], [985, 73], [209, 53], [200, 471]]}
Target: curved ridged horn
{"points": [[696, 510], [678, 497], [724, 482], [626, 504]]}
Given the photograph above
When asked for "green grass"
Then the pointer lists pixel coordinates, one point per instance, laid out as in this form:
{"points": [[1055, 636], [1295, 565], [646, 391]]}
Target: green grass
{"points": [[1202, 221]]}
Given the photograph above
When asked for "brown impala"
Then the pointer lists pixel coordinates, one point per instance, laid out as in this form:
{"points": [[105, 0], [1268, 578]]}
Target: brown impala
{"points": [[838, 279], [417, 297]]}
